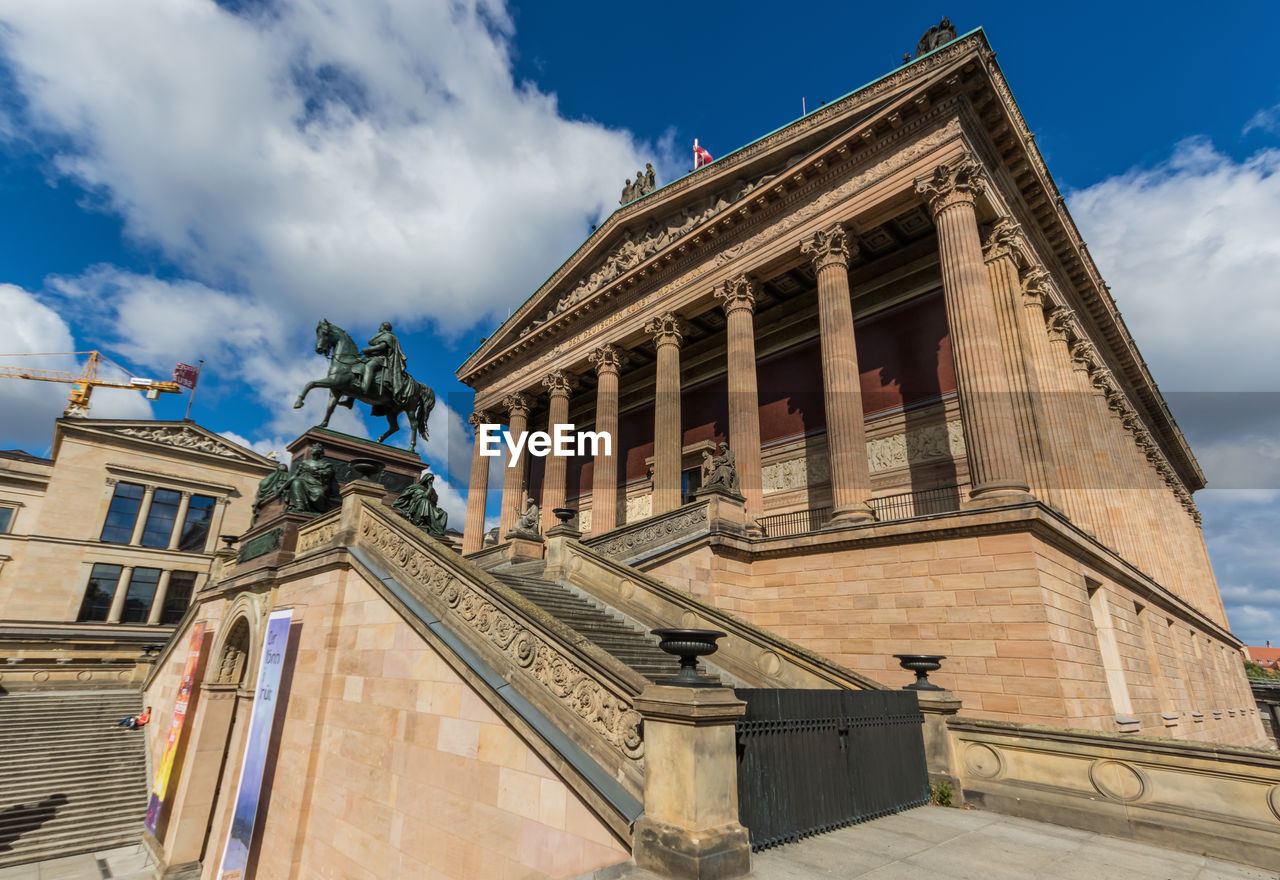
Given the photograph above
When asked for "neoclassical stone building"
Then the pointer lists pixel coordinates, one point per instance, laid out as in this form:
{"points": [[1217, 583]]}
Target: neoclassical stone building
{"points": [[947, 439]]}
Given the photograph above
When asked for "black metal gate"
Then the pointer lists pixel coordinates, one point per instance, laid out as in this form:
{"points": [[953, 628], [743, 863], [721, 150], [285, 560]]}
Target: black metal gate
{"points": [[811, 761]]}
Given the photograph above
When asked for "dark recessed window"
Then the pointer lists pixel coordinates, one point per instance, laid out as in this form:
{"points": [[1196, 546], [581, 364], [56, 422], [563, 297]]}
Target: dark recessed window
{"points": [[6, 519], [181, 585], [122, 514], [98, 595], [195, 530], [161, 517], [690, 482], [142, 589]]}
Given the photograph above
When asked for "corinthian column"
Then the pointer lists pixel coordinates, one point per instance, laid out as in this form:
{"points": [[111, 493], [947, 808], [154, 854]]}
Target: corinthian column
{"points": [[996, 474], [666, 413], [477, 489], [608, 360], [560, 385], [517, 406], [738, 298], [841, 387]]}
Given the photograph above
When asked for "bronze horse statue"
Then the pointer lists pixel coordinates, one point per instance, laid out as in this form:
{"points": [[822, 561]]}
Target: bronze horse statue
{"points": [[346, 385]]}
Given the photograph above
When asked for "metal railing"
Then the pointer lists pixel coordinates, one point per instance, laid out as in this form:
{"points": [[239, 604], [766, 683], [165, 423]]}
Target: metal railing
{"points": [[906, 505]]}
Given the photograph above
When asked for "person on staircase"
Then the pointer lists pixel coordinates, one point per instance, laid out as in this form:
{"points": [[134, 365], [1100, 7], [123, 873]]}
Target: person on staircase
{"points": [[133, 722]]}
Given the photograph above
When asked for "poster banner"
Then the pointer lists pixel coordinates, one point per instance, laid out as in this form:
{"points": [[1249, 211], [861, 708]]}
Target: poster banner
{"points": [[160, 789], [235, 856]]}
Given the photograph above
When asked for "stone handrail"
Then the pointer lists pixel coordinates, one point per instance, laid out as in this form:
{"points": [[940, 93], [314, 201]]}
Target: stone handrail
{"points": [[757, 656], [1218, 800], [674, 527], [552, 665]]}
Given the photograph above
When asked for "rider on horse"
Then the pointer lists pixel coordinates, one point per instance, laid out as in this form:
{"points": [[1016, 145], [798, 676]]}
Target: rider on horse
{"points": [[386, 364]]}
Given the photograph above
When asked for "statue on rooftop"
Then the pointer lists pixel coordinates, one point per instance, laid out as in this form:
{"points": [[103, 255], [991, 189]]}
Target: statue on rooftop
{"points": [[375, 376], [418, 503], [934, 37], [628, 193], [645, 183]]}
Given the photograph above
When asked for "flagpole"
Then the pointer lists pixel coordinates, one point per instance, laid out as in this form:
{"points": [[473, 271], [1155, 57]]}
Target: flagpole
{"points": [[192, 397]]}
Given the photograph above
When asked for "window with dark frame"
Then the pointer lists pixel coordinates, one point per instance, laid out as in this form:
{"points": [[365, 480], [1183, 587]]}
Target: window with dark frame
{"points": [[141, 592], [181, 585], [122, 514], [7, 514], [99, 593], [161, 518], [195, 528]]}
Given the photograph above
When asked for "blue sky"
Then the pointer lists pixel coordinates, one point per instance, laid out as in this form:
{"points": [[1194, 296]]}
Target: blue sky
{"points": [[184, 180]]}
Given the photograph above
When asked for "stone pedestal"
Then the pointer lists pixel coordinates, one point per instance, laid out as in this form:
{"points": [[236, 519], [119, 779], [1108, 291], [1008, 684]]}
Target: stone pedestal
{"points": [[939, 752], [690, 827], [727, 512], [400, 467], [522, 549]]}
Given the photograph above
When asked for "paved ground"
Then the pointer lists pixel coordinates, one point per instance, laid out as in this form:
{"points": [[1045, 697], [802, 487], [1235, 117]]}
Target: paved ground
{"points": [[934, 842], [917, 845], [121, 863]]}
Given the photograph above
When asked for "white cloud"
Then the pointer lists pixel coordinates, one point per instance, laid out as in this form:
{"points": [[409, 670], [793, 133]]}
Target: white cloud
{"points": [[348, 158], [31, 406], [1267, 120]]}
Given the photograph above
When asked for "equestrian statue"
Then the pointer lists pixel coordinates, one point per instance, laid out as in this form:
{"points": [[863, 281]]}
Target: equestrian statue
{"points": [[375, 375]]}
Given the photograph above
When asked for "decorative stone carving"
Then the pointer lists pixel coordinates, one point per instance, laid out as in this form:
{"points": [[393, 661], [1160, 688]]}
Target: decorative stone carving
{"points": [[722, 473], [736, 293], [480, 417], [796, 473], [665, 329], [982, 761], [560, 382], [184, 437], [608, 359], [829, 247], [518, 403], [660, 530], [1004, 239], [323, 533], [639, 507], [934, 442], [952, 183], [1117, 780], [269, 489], [1036, 286], [419, 504], [934, 37], [584, 521], [1059, 322], [604, 708]]}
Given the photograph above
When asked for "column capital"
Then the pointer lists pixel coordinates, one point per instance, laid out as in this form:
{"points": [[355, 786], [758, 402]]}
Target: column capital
{"points": [[1036, 287], [1004, 239], [518, 404], [480, 417], [1059, 320], [829, 247], [1083, 354], [608, 359], [665, 330], [736, 293], [958, 182], [560, 383]]}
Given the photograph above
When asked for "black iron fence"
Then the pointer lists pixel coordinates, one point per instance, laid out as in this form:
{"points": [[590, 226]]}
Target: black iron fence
{"points": [[811, 761], [943, 499]]}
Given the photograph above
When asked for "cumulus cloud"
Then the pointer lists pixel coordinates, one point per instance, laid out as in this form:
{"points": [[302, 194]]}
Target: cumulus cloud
{"points": [[1190, 250], [31, 406], [351, 157]]}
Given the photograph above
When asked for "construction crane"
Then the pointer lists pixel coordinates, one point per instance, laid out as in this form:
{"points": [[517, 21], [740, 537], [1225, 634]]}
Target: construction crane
{"points": [[82, 385]]}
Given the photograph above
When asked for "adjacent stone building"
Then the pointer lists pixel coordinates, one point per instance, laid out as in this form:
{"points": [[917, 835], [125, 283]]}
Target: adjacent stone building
{"points": [[947, 438], [103, 544]]}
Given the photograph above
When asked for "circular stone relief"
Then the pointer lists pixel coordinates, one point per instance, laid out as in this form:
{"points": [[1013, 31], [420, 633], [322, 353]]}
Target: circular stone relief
{"points": [[1117, 780], [689, 620], [1273, 800], [769, 663], [626, 589], [983, 761], [40, 676], [84, 675], [123, 675]]}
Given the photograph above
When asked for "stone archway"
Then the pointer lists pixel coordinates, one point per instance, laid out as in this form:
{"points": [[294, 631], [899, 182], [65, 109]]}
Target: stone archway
{"points": [[233, 659]]}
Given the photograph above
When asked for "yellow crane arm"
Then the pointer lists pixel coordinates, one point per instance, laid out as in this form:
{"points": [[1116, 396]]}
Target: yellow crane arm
{"points": [[84, 382]]}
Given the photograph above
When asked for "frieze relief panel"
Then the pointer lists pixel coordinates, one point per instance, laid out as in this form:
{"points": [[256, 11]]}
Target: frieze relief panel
{"points": [[606, 710], [796, 473], [916, 446], [639, 507], [182, 437], [584, 520]]}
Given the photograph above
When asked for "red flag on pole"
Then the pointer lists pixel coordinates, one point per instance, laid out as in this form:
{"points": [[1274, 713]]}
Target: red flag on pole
{"points": [[186, 375], [700, 156]]}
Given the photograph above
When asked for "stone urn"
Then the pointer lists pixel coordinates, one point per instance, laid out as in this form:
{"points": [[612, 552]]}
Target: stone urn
{"points": [[367, 468], [689, 645], [921, 665], [564, 514]]}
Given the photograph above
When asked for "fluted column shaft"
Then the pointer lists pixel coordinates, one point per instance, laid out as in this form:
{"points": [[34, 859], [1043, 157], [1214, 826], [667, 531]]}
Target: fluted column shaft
{"points": [[559, 384], [518, 406], [607, 360], [477, 489], [996, 474], [738, 298], [841, 386], [667, 444]]}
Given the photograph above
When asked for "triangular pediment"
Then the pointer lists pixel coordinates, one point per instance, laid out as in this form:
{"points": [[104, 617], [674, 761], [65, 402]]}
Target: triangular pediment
{"points": [[684, 213], [187, 436]]}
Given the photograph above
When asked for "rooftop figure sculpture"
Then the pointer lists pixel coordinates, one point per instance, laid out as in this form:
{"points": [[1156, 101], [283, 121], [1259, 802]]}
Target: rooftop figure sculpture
{"points": [[934, 37], [376, 376]]}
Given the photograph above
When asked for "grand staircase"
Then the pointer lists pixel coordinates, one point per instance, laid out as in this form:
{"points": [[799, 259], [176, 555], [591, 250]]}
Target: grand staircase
{"points": [[608, 630], [70, 780]]}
